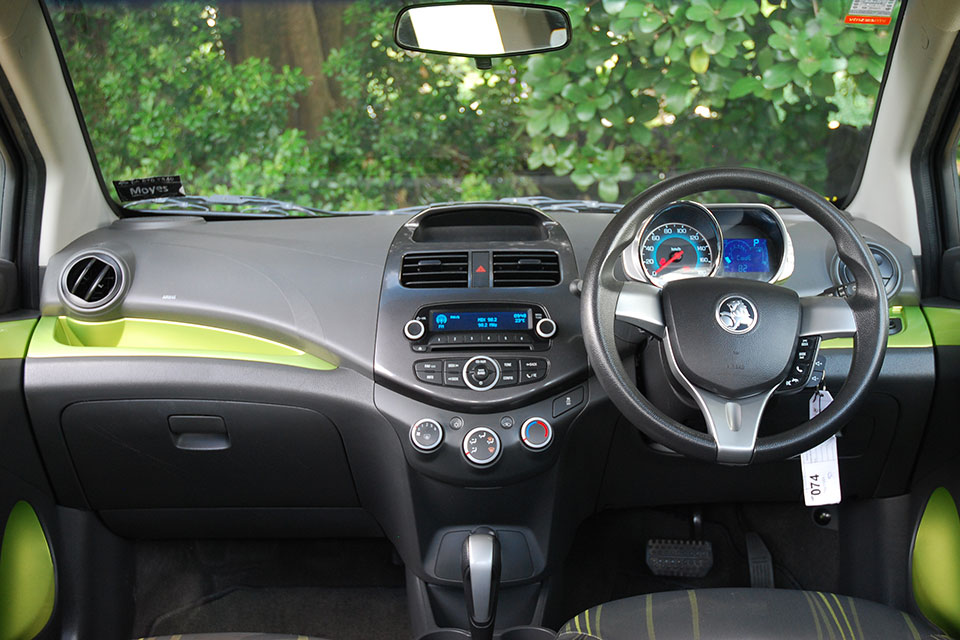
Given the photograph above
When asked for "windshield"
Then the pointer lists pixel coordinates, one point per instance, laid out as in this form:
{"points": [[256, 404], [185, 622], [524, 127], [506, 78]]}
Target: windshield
{"points": [[313, 103]]}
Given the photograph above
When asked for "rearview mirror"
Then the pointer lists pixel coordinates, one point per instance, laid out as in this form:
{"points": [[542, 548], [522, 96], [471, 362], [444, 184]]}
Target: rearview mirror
{"points": [[482, 30]]}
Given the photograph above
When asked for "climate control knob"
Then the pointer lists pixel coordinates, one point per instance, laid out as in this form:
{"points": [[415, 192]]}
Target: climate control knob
{"points": [[414, 330], [426, 435], [546, 328], [481, 446], [536, 434]]}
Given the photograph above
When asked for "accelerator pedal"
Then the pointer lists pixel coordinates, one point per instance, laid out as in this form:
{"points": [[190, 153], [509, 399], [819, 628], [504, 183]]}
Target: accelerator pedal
{"points": [[680, 558], [760, 561]]}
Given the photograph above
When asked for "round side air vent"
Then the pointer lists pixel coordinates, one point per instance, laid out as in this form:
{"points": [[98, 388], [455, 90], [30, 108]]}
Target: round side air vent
{"points": [[886, 262], [91, 281]]}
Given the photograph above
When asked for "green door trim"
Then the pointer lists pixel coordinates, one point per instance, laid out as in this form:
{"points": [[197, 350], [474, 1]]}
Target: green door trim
{"points": [[27, 578], [64, 337], [935, 570]]}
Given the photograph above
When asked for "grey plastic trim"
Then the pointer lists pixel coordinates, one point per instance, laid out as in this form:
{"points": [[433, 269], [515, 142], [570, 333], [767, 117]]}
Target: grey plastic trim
{"points": [[80, 305], [639, 305], [827, 317], [733, 423]]}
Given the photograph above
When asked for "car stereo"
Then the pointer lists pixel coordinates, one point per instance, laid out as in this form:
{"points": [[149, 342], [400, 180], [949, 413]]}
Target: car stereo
{"points": [[504, 325]]}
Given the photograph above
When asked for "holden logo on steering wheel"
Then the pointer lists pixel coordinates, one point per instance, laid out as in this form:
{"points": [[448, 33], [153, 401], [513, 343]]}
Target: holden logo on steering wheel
{"points": [[736, 314]]}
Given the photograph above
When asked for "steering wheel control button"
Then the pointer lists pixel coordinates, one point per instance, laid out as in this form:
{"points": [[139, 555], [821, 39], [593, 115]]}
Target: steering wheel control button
{"points": [[414, 330], [567, 402], [481, 373], [506, 422], [546, 328], [456, 423], [807, 367], [481, 446], [536, 434], [426, 435]]}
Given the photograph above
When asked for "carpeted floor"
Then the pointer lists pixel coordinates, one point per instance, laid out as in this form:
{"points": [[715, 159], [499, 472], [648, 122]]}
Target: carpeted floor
{"points": [[338, 589]]}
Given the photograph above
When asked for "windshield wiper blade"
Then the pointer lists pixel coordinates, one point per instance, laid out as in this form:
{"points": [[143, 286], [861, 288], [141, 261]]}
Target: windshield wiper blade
{"points": [[552, 205]]}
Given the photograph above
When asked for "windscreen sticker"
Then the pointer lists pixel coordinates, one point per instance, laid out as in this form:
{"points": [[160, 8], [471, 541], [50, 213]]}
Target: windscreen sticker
{"points": [[874, 12], [146, 188]]}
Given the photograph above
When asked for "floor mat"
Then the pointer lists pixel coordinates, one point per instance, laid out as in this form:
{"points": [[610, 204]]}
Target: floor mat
{"points": [[353, 613], [337, 589]]}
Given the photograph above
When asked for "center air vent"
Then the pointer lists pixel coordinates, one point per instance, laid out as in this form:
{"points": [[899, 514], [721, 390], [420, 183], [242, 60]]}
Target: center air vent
{"points": [[91, 281], [525, 268], [434, 270]]}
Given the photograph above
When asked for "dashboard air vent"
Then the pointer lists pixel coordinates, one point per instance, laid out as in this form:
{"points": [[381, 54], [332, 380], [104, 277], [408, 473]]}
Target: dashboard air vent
{"points": [[435, 270], [91, 281], [525, 269]]}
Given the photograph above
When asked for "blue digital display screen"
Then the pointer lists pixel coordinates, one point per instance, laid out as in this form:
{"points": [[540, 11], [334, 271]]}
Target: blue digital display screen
{"points": [[746, 255], [512, 320]]}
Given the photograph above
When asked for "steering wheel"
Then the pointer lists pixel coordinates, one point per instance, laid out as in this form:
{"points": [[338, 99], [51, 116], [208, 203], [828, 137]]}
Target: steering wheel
{"points": [[731, 376]]}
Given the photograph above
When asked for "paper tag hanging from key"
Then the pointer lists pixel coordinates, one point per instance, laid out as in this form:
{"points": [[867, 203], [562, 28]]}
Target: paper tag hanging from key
{"points": [[820, 468]]}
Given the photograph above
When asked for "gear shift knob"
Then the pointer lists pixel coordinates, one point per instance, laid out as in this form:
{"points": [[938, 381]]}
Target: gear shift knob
{"points": [[480, 564]]}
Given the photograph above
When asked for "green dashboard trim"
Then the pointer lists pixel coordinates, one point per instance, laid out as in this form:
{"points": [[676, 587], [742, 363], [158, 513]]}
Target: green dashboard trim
{"points": [[945, 325], [14, 337], [936, 562], [27, 579], [915, 333], [63, 337]]}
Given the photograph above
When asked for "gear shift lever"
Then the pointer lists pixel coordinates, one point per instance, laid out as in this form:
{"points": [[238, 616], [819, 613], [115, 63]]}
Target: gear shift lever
{"points": [[480, 564]]}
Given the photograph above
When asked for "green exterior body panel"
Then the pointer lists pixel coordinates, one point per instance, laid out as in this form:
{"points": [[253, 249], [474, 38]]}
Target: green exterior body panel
{"points": [[945, 325], [936, 562], [27, 579], [14, 337], [63, 337], [915, 334]]}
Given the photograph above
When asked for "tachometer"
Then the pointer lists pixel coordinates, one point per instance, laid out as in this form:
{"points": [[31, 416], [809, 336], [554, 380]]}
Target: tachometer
{"points": [[680, 241]]}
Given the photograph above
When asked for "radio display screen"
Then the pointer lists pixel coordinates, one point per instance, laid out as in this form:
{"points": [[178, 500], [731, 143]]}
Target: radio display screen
{"points": [[455, 321]]}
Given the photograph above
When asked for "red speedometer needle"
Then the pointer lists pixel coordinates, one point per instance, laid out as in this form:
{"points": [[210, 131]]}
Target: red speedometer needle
{"points": [[677, 255]]}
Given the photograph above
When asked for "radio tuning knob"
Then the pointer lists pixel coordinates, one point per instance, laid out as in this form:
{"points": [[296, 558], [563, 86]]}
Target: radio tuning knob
{"points": [[546, 328], [414, 330]]}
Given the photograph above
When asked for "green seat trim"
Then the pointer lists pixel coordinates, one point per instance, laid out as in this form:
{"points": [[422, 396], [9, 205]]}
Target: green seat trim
{"points": [[936, 562], [27, 581], [14, 337], [915, 333], [64, 337]]}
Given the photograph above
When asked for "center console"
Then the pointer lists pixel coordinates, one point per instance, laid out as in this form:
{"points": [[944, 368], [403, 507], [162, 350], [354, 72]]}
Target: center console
{"points": [[481, 370]]}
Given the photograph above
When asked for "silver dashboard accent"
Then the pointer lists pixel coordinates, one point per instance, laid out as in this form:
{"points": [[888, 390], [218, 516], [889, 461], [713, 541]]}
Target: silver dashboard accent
{"points": [[733, 423], [827, 317], [639, 304], [634, 269]]}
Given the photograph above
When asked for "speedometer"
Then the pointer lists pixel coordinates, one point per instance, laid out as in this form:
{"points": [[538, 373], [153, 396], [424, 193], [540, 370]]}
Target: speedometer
{"points": [[682, 240], [671, 251]]}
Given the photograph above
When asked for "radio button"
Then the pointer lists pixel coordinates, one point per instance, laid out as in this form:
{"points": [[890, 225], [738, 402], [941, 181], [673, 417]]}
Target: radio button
{"points": [[532, 376], [453, 380], [481, 373], [430, 377], [508, 379], [546, 328], [509, 365], [451, 366], [414, 330], [438, 339], [523, 338], [533, 364], [455, 338], [471, 338], [428, 365], [488, 338]]}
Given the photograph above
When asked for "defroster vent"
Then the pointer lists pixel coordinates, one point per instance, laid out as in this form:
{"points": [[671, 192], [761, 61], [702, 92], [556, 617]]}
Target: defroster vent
{"points": [[525, 268], [435, 270]]}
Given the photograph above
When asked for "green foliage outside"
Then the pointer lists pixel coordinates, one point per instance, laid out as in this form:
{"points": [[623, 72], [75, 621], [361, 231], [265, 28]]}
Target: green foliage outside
{"points": [[646, 89]]}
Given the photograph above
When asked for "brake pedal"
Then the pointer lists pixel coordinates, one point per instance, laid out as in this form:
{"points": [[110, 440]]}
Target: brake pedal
{"points": [[680, 558], [760, 561]]}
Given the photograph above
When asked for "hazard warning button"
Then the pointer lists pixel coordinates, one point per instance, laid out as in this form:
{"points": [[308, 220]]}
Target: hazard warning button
{"points": [[480, 268]]}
